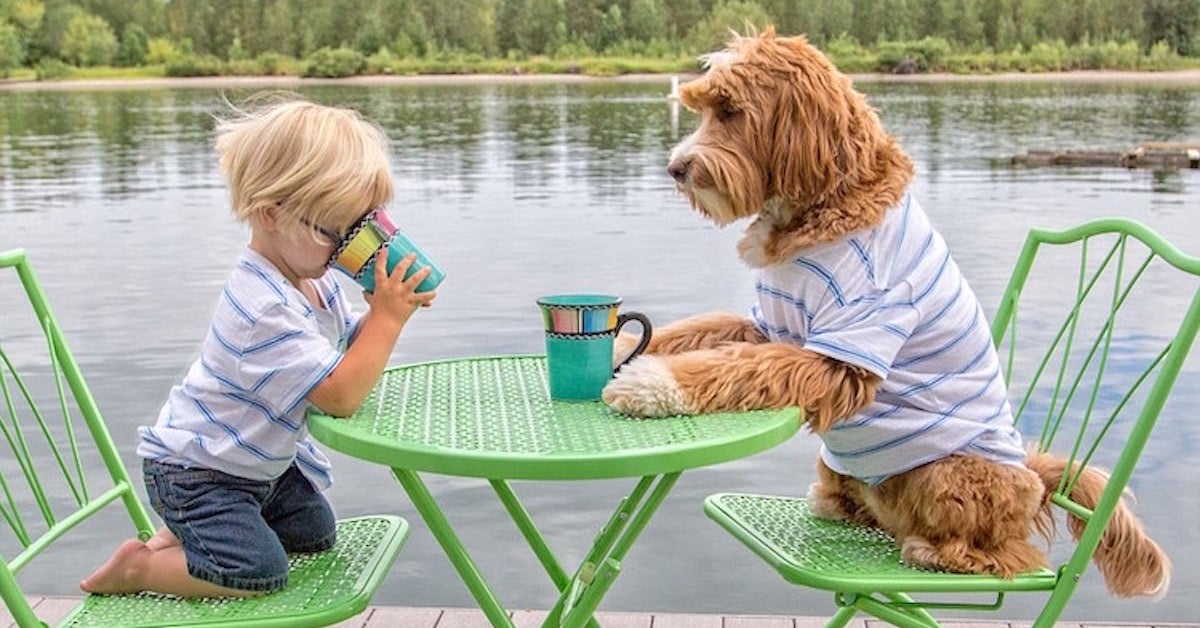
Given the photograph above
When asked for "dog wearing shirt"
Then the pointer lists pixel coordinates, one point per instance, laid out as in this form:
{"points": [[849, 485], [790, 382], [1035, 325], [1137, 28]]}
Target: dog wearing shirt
{"points": [[863, 320]]}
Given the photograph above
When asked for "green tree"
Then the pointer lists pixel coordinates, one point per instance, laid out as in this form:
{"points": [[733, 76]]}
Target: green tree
{"points": [[612, 27], [991, 20], [88, 40], [646, 20], [584, 19], [47, 39], [1176, 22], [900, 22], [26, 14], [211, 24], [405, 23], [836, 18], [682, 16], [370, 36], [793, 17], [280, 30], [513, 22], [466, 25], [930, 18], [868, 18], [11, 55], [962, 22], [731, 15], [148, 14], [237, 51], [134, 46], [547, 26]]}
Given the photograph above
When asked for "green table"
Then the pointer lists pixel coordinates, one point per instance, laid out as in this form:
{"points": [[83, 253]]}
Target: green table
{"points": [[492, 418]]}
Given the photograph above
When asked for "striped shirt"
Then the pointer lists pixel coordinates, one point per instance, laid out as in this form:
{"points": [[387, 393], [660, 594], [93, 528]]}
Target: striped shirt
{"points": [[241, 407], [891, 300]]}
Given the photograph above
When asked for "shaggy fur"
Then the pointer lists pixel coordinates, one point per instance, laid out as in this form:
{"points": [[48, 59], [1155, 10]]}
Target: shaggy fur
{"points": [[785, 140]]}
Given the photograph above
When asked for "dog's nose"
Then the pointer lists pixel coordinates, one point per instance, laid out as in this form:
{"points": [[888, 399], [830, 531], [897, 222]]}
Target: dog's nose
{"points": [[678, 169]]}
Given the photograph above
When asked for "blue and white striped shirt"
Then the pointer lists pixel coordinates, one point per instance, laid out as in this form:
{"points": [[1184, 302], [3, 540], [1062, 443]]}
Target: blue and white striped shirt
{"points": [[241, 407], [891, 300]]}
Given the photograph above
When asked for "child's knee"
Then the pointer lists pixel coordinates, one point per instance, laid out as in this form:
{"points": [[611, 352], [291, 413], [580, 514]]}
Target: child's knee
{"points": [[256, 569]]}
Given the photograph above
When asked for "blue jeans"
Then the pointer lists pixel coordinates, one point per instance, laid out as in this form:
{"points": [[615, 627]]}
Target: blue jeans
{"points": [[237, 533]]}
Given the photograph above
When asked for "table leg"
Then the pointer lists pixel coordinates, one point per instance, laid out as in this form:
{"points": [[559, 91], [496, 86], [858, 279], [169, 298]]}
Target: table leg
{"points": [[580, 595], [436, 520], [536, 541], [579, 600], [533, 537]]}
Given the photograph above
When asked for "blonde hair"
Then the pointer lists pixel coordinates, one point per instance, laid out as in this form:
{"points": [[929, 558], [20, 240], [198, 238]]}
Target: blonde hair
{"points": [[318, 164]]}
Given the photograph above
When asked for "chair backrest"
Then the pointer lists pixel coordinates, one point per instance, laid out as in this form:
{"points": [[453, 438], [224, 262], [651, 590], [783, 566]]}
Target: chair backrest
{"points": [[51, 432], [1092, 352]]}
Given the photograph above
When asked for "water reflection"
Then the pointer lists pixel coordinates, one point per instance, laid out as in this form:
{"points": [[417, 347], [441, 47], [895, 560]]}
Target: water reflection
{"points": [[525, 189]]}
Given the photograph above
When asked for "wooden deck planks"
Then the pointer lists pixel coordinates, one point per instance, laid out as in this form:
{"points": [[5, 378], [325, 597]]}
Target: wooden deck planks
{"points": [[52, 609]]}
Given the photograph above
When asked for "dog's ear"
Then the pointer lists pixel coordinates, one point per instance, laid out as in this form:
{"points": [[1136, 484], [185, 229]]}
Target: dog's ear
{"points": [[822, 124]]}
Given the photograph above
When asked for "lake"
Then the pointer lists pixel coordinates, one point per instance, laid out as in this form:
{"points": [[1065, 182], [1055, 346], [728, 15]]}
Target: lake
{"points": [[519, 189]]}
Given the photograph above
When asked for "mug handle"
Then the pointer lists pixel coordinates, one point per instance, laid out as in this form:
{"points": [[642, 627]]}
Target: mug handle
{"points": [[647, 330]]}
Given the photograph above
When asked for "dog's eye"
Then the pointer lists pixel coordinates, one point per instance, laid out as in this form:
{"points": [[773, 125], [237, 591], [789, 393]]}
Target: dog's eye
{"points": [[726, 110]]}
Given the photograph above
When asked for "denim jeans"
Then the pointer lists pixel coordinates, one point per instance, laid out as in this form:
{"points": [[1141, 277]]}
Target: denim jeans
{"points": [[235, 532]]}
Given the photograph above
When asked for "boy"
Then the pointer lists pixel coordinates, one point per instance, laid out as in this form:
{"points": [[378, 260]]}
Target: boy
{"points": [[229, 465]]}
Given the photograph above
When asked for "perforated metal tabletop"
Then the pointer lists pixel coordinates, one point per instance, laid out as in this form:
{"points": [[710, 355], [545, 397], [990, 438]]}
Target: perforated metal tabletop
{"points": [[493, 417]]}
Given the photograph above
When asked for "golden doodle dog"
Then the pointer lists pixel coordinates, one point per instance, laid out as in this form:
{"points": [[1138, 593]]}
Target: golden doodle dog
{"points": [[862, 319]]}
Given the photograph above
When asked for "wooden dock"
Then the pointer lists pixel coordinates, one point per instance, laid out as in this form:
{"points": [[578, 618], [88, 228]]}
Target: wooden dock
{"points": [[1157, 155], [54, 608]]}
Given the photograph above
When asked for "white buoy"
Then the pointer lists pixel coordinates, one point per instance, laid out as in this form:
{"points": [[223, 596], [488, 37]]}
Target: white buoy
{"points": [[674, 95]]}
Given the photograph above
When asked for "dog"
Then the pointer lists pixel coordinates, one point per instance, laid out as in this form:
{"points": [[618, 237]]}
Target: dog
{"points": [[864, 321]]}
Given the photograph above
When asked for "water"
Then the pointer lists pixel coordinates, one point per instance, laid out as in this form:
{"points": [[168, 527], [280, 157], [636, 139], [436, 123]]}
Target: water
{"points": [[519, 190]]}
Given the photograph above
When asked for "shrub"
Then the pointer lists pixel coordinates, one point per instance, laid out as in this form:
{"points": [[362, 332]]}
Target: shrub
{"points": [[1161, 57], [1047, 57], [195, 65], [848, 56], [334, 63], [50, 69], [161, 50], [928, 54], [273, 63], [573, 50], [382, 62]]}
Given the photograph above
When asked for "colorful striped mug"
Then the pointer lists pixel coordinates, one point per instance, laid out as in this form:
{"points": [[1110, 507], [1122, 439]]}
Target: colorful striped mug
{"points": [[580, 329], [358, 250]]}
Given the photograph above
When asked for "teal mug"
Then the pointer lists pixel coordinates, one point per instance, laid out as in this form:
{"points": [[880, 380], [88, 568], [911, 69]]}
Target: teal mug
{"points": [[358, 250], [580, 330]]}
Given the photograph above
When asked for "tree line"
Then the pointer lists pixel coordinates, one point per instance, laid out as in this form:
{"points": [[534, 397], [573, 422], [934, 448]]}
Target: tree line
{"points": [[83, 33]]}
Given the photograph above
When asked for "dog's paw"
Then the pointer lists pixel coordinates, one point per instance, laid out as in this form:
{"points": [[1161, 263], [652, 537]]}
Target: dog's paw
{"points": [[919, 552], [645, 387], [824, 505]]}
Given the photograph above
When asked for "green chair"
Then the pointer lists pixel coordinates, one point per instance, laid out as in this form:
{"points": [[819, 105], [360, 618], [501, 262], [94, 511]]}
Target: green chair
{"points": [[1106, 324], [55, 444]]}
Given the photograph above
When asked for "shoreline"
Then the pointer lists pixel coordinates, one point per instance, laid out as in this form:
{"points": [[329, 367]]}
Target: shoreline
{"points": [[251, 82]]}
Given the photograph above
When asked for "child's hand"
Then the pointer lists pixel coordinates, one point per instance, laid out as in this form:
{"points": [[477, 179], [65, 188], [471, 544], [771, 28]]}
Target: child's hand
{"points": [[395, 297]]}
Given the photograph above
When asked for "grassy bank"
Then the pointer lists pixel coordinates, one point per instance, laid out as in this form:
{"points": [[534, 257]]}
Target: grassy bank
{"points": [[927, 56]]}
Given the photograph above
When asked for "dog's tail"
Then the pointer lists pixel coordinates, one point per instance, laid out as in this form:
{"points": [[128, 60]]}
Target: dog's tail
{"points": [[1131, 562]]}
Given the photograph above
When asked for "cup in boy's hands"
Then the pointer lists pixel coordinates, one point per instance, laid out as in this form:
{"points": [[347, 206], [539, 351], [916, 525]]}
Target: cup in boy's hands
{"points": [[359, 249]]}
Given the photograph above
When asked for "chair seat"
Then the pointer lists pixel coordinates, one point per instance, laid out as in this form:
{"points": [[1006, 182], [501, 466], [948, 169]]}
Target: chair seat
{"points": [[839, 556], [322, 589]]}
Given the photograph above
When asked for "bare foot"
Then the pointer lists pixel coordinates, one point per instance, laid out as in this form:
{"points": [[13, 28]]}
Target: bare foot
{"points": [[120, 573]]}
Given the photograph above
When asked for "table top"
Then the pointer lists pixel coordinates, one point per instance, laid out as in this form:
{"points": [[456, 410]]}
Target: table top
{"points": [[492, 417]]}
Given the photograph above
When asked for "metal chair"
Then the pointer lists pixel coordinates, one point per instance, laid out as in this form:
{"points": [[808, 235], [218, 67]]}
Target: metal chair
{"points": [[51, 480], [1088, 383]]}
